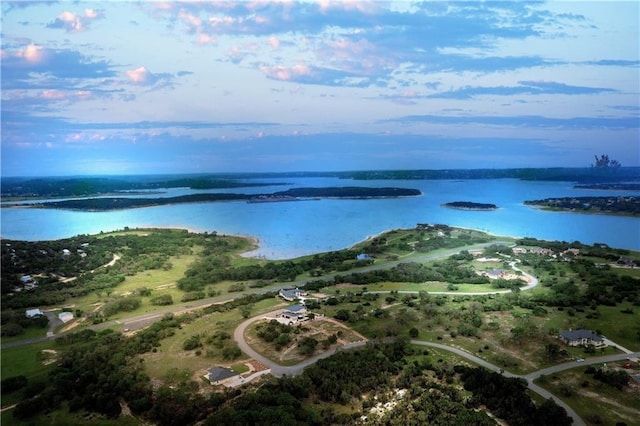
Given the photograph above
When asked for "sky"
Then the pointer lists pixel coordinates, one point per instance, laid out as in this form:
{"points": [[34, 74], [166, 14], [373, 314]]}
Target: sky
{"points": [[254, 86]]}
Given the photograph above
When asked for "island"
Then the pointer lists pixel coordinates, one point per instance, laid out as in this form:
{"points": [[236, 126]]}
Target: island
{"points": [[294, 194], [613, 205], [468, 205]]}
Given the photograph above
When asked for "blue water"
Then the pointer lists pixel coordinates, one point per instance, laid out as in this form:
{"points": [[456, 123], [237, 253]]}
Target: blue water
{"points": [[289, 229]]}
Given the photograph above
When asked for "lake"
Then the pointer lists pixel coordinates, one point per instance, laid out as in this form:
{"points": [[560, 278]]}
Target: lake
{"points": [[290, 229]]}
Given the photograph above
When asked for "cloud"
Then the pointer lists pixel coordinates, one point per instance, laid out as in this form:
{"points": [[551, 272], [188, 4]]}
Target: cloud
{"points": [[292, 73], [274, 42], [613, 63], [523, 88], [533, 121], [141, 76], [28, 63], [75, 23], [361, 43]]}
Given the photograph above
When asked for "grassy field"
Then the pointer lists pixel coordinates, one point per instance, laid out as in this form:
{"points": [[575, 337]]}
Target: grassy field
{"points": [[27, 333], [619, 327], [158, 281], [171, 360], [31, 361], [596, 402], [62, 417], [319, 329]]}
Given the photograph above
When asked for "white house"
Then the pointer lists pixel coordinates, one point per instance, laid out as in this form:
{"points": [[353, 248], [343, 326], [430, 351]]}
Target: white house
{"points": [[33, 313]]}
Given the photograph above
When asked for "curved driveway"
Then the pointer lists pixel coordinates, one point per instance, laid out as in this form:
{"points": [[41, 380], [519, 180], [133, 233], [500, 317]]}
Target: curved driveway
{"points": [[280, 370], [277, 369]]}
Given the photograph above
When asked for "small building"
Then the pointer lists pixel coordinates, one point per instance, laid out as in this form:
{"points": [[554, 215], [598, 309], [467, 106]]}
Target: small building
{"points": [[291, 295], [219, 375], [65, 316], [519, 250], [32, 313], [293, 313], [26, 279], [66, 252], [495, 273], [581, 337], [364, 256]]}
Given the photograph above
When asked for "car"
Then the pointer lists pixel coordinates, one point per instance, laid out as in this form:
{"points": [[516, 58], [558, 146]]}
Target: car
{"points": [[580, 360]]}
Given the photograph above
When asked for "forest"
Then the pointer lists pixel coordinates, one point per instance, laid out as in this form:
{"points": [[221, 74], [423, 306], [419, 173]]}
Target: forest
{"points": [[99, 372], [50, 187]]}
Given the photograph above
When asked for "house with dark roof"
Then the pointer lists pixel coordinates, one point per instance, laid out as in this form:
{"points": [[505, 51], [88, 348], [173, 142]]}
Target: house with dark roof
{"points": [[292, 294], [581, 337], [218, 375], [294, 313]]}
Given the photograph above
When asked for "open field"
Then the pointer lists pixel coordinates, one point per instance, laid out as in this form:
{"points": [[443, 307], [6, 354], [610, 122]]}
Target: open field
{"points": [[170, 360], [159, 281], [319, 329], [62, 417], [33, 362], [596, 402]]}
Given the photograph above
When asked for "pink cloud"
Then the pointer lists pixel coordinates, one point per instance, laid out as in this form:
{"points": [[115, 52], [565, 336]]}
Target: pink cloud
{"points": [[31, 53], [84, 94], [53, 94], [206, 39], [73, 22], [191, 20], [274, 42], [285, 73], [91, 13], [140, 75]]}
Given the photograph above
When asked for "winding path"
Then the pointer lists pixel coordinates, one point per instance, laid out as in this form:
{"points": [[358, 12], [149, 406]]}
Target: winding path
{"points": [[277, 369], [280, 370]]}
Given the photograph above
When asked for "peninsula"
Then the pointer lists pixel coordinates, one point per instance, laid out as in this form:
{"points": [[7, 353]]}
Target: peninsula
{"points": [[624, 206], [294, 194]]}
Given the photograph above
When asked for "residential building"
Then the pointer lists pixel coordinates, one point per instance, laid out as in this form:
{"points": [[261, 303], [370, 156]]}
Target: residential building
{"points": [[291, 295], [581, 337], [33, 313], [218, 375]]}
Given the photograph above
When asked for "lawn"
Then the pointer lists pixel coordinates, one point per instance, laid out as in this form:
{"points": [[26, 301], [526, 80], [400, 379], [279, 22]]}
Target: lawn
{"points": [[27, 333], [28, 361], [619, 327]]}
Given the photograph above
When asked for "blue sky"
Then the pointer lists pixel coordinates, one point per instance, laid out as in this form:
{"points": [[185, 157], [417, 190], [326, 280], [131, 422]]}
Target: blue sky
{"points": [[163, 87]]}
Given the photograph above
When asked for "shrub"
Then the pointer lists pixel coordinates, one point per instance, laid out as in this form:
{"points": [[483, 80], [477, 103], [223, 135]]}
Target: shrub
{"points": [[162, 300], [192, 342]]}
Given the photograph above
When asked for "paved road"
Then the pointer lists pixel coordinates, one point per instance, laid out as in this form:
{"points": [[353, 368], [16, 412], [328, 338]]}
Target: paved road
{"points": [[277, 369], [577, 420]]}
